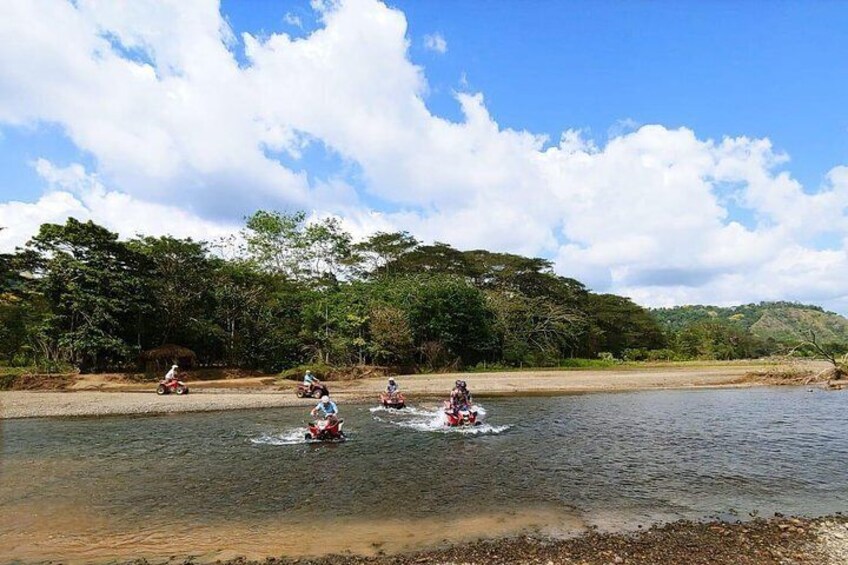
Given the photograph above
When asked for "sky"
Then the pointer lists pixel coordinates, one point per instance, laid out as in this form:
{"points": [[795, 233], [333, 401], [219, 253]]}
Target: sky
{"points": [[676, 153]]}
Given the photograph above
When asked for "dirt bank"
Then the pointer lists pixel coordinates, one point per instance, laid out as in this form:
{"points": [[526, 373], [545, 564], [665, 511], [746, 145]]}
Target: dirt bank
{"points": [[95, 395]]}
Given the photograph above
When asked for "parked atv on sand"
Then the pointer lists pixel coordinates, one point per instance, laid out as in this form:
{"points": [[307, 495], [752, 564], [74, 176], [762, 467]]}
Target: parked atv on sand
{"points": [[167, 387], [325, 430], [463, 416], [394, 400], [315, 391]]}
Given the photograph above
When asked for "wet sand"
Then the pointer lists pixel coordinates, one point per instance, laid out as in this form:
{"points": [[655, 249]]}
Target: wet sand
{"points": [[93, 396], [780, 541]]}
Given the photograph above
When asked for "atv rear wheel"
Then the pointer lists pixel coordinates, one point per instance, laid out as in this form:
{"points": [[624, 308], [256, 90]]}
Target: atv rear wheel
{"points": [[160, 390], [317, 393]]}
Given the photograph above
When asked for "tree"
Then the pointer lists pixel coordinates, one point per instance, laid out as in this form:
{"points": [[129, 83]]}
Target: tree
{"points": [[381, 250], [391, 336], [328, 250], [275, 242], [717, 339], [180, 280], [97, 290], [618, 324], [535, 331], [439, 258], [450, 312]]}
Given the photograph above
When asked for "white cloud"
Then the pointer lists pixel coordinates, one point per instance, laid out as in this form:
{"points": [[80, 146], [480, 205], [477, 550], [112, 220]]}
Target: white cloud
{"points": [[436, 42], [72, 192], [293, 20], [185, 140]]}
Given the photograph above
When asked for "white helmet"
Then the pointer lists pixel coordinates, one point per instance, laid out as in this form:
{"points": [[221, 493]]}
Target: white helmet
{"points": [[325, 399], [175, 366]]}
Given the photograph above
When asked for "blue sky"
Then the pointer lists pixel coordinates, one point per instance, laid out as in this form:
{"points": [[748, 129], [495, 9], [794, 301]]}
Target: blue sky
{"points": [[707, 139], [775, 70]]}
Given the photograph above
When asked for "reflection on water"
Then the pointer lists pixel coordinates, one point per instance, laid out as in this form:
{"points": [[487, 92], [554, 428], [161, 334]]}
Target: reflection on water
{"points": [[612, 460]]}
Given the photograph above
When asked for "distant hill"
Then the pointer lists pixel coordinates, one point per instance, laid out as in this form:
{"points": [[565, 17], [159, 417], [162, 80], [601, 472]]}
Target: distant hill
{"points": [[782, 321]]}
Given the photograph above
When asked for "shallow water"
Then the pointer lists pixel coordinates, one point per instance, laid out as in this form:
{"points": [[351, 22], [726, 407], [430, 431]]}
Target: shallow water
{"points": [[195, 482]]}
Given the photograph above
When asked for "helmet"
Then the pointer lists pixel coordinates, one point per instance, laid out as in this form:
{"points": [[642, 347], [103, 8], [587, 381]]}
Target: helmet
{"points": [[462, 384], [308, 372], [391, 381], [175, 366], [458, 383], [325, 399]]}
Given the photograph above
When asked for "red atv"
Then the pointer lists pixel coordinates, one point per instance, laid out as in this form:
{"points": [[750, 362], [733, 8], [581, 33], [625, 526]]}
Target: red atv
{"points": [[462, 416], [326, 430], [394, 400], [167, 387], [316, 390]]}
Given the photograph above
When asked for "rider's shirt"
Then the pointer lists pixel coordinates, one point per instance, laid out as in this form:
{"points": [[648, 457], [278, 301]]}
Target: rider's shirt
{"points": [[308, 379], [329, 409], [458, 399], [391, 389], [172, 374]]}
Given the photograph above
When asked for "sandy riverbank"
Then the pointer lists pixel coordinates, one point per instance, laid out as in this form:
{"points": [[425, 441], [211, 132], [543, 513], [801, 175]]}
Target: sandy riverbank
{"points": [[778, 541], [91, 396]]}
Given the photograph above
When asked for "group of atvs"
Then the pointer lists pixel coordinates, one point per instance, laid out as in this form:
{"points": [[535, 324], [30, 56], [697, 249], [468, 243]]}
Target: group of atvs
{"points": [[458, 409]]}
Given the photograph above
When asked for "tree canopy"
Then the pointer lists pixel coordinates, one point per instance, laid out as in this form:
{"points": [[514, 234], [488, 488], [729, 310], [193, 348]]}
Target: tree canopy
{"points": [[299, 291]]}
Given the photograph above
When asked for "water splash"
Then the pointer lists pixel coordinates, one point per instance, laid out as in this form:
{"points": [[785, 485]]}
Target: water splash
{"points": [[433, 420], [294, 437]]}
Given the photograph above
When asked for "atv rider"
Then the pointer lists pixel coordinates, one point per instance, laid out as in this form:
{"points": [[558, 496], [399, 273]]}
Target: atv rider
{"points": [[171, 376], [466, 394], [329, 408], [460, 398], [309, 379], [392, 388], [311, 382]]}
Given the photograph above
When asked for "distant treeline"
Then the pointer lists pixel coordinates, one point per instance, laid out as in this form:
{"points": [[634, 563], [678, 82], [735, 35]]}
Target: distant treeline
{"points": [[288, 292]]}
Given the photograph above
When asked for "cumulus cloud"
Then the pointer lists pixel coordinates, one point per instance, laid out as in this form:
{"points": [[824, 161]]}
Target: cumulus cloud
{"points": [[73, 192], [436, 42], [293, 20], [187, 139]]}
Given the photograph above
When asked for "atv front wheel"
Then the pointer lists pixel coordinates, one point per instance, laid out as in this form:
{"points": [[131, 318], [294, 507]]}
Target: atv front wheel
{"points": [[299, 393], [317, 393], [182, 390]]}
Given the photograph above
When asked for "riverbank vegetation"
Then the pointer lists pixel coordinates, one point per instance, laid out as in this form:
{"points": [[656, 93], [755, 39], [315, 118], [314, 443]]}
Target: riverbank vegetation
{"points": [[287, 292]]}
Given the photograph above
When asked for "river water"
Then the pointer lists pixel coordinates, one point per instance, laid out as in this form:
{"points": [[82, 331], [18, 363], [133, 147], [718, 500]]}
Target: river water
{"points": [[86, 489]]}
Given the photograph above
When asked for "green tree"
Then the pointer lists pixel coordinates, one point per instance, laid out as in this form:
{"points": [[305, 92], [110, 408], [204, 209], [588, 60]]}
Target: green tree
{"points": [[618, 324], [182, 271], [275, 243], [447, 312], [380, 251], [97, 290]]}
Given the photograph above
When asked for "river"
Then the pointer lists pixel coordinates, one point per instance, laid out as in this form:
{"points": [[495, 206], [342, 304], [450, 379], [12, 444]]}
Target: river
{"points": [[245, 482]]}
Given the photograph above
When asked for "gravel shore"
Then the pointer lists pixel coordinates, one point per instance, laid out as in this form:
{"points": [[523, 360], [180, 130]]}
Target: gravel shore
{"points": [[93, 396], [779, 541], [21, 404]]}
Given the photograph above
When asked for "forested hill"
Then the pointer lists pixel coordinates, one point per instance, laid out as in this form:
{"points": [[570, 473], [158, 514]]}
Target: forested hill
{"points": [[780, 321]]}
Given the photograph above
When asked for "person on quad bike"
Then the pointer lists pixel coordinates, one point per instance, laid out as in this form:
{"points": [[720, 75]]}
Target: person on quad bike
{"points": [[172, 374], [459, 398], [309, 380], [392, 387], [467, 395], [328, 407]]}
